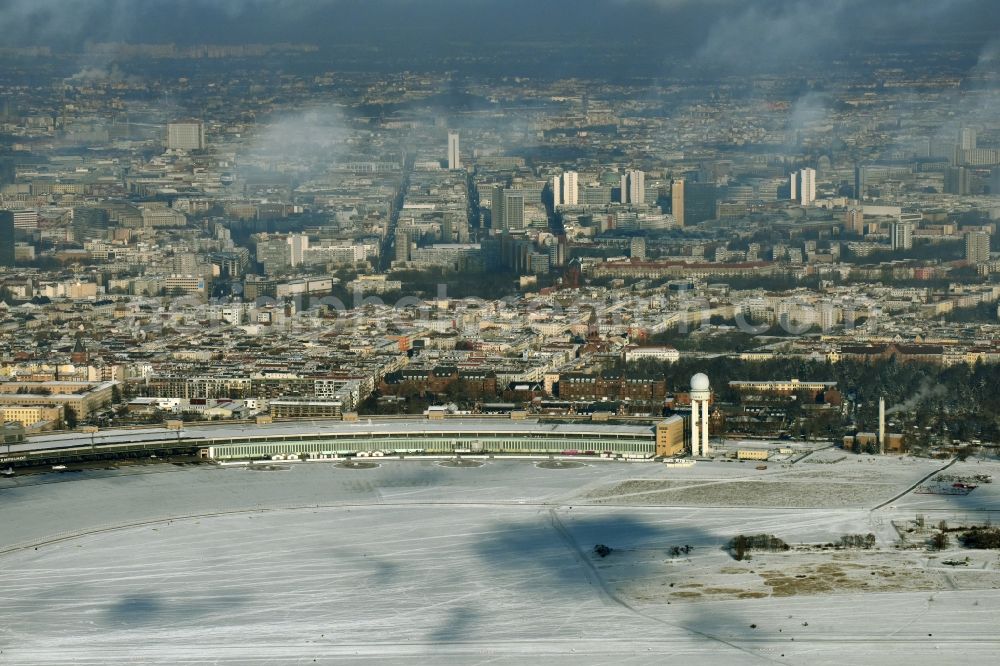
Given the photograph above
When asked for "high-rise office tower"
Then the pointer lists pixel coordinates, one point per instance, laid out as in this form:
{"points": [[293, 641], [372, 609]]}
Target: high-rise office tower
{"points": [[956, 180], [454, 159], [496, 208], [633, 184], [557, 194], [677, 201], [186, 135], [901, 235], [298, 244], [637, 187], [977, 247], [700, 202], [859, 182], [967, 138], [273, 253], [637, 248], [6, 238], [556, 247], [803, 187], [808, 186], [401, 245], [89, 223], [513, 210], [446, 230], [571, 188], [854, 220]]}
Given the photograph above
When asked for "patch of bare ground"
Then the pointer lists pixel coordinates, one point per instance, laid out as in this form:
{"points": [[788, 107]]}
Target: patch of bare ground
{"points": [[787, 575]]}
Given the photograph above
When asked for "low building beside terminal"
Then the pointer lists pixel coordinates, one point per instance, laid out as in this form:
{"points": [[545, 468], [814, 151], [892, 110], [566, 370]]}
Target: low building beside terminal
{"points": [[752, 454], [670, 437], [299, 408], [83, 398], [32, 416]]}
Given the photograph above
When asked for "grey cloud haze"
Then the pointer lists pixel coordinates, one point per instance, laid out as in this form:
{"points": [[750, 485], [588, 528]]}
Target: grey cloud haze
{"points": [[733, 34]]}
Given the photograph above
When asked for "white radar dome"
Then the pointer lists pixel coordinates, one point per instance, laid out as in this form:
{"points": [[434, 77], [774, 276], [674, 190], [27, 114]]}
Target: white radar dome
{"points": [[699, 382]]}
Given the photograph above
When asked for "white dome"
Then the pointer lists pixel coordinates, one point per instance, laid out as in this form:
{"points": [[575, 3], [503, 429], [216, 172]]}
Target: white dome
{"points": [[699, 382]]}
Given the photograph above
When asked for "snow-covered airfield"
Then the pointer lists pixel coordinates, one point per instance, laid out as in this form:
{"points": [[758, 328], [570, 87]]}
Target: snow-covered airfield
{"points": [[416, 562]]}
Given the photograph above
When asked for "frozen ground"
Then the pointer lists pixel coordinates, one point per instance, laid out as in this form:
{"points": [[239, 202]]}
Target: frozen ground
{"points": [[828, 481], [414, 562]]}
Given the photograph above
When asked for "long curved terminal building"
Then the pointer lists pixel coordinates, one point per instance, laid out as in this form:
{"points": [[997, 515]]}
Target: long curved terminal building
{"points": [[318, 439]]}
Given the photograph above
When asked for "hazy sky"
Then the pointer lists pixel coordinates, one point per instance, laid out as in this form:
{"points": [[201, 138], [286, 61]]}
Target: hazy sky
{"points": [[725, 32]]}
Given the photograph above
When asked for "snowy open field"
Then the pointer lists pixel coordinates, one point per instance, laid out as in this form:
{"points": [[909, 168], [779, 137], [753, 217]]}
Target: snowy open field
{"points": [[415, 562]]}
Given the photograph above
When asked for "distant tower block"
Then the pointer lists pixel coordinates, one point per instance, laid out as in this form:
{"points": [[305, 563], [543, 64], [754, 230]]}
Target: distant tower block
{"points": [[803, 186], [454, 158], [677, 201], [571, 188], [701, 393]]}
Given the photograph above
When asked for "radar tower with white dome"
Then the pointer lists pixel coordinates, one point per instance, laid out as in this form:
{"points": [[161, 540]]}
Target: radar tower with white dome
{"points": [[700, 394]]}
